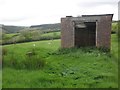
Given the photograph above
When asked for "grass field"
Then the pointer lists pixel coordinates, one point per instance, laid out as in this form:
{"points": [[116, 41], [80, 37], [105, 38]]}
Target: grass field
{"points": [[51, 34], [68, 68], [28, 36], [11, 35]]}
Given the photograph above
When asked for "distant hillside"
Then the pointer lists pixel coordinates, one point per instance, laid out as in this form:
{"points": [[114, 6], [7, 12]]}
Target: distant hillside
{"points": [[12, 29], [47, 26]]}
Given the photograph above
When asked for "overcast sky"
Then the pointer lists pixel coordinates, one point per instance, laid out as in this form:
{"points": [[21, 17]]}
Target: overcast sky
{"points": [[35, 12]]}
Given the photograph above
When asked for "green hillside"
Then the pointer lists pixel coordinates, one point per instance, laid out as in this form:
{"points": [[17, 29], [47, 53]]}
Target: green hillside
{"points": [[48, 66], [43, 27], [12, 29], [55, 26]]}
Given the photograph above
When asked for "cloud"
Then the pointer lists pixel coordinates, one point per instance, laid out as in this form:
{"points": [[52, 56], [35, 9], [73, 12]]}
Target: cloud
{"points": [[18, 19], [99, 7], [28, 12], [94, 4]]}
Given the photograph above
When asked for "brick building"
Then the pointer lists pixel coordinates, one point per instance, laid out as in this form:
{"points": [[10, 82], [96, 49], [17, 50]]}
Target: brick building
{"points": [[87, 30]]}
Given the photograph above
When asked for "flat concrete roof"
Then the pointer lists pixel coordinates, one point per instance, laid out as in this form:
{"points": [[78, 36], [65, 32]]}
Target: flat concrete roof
{"points": [[98, 15], [87, 18]]}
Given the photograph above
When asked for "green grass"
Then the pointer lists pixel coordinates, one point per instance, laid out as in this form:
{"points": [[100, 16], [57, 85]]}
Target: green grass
{"points": [[28, 36], [11, 35], [51, 34], [114, 45], [0, 78], [63, 68]]}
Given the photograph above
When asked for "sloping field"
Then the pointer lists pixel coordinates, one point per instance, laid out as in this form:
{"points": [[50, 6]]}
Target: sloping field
{"points": [[43, 64]]}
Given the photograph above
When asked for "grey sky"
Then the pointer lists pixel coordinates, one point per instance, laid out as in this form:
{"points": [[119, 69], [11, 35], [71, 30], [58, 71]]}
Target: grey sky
{"points": [[32, 12]]}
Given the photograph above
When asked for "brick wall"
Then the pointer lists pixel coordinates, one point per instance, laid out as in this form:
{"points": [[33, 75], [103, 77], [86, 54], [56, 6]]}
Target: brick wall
{"points": [[67, 33], [103, 31]]}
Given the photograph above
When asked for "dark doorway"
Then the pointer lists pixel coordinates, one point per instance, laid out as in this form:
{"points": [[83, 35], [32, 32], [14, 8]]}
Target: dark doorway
{"points": [[85, 34]]}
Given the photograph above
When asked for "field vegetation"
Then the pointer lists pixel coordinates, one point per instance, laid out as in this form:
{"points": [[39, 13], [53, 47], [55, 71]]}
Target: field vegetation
{"points": [[43, 64], [49, 66], [29, 36]]}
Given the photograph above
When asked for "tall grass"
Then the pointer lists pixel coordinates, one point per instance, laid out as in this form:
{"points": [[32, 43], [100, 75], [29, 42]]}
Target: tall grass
{"points": [[30, 60]]}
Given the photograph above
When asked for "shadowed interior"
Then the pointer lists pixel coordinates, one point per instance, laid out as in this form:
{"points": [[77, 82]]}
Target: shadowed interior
{"points": [[85, 34]]}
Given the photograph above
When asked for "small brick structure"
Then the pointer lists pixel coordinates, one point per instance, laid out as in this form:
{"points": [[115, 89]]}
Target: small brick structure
{"points": [[87, 30]]}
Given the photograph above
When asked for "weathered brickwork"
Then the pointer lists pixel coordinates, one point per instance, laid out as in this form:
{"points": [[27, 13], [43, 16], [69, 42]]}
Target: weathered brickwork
{"points": [[88, 30]]}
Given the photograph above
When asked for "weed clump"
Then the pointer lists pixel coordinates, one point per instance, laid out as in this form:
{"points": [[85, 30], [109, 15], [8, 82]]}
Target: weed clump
{"points": [[31, 61], [62, 51], [104, 49], [4, 51]]}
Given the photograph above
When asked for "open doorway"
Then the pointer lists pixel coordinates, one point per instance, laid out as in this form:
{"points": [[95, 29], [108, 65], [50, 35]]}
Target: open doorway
{"points": [[85, 34]]}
